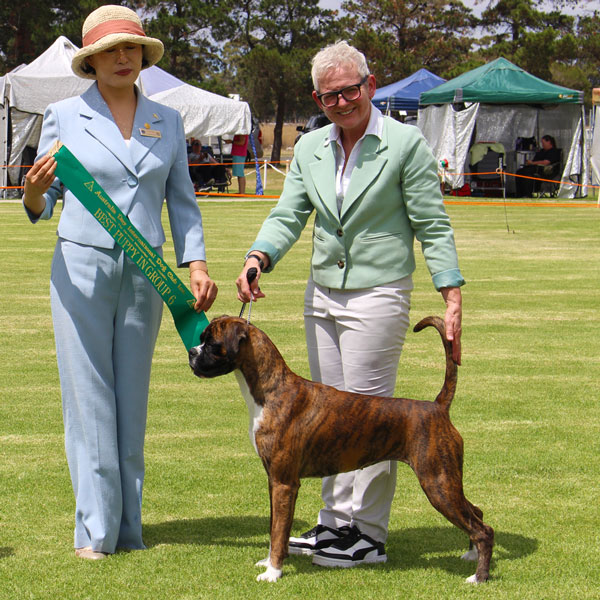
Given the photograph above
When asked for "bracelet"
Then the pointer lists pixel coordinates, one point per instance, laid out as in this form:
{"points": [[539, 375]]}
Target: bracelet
{"points": [[261, 263], [199, 269]]}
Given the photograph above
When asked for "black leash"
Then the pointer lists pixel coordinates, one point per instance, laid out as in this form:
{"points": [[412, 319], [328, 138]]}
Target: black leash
{"points": [[250, 276]]}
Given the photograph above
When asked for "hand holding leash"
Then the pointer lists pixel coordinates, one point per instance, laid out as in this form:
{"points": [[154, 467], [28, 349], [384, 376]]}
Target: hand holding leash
{"points": [[247, 287], [250, 276]]}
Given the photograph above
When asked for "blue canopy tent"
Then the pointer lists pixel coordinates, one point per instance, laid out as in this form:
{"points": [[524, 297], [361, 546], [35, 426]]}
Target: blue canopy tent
{"points": [[405, 94]]}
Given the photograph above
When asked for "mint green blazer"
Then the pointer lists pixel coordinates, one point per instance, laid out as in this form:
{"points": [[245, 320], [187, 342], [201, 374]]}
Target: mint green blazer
{"points": [[393, 196]]}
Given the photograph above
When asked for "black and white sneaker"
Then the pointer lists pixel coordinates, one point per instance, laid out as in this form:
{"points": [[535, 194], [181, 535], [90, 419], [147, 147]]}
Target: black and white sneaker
{"points": [[318, 537], [354, 549]]}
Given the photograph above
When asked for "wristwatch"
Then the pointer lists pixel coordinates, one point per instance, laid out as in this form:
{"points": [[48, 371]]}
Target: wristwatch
{"points": [[261, 263]]}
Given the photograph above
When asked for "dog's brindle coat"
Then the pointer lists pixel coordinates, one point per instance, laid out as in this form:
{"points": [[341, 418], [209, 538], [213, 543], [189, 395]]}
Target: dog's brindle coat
{"points": [[307, 429]]}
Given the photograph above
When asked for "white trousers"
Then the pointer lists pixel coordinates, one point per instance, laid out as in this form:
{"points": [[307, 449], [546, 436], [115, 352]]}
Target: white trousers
{"points": [[354, 340]]}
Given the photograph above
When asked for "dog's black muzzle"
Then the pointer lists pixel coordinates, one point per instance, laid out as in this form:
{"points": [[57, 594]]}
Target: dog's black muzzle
{"points": [[207, 366], [195, 355]]}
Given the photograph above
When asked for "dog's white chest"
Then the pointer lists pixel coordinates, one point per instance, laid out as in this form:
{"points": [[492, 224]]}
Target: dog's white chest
{"points": [[255, 412]]}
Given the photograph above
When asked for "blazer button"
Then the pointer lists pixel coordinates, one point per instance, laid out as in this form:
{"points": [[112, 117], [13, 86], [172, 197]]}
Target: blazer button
{"points": [[340, 264], [340, 232], [132, 181]]}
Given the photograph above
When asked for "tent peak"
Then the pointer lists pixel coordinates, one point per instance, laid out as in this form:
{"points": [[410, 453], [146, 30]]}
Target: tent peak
{"points": [[500, 82]]}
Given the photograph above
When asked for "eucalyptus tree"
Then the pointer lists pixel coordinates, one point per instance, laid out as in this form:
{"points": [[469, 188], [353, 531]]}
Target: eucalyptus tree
{"points": [[269, 44], [28, 27], [402, 36]]}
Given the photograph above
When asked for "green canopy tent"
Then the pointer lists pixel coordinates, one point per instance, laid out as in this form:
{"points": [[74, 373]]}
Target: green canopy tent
{"points": [[499, 103], [500, 82]]}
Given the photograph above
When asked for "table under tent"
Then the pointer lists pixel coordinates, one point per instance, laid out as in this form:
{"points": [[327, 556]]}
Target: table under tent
{"points": [[501, 108]]}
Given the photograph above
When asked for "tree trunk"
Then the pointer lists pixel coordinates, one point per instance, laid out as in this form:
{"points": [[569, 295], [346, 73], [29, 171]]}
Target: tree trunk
{"points": [[278, 130]]}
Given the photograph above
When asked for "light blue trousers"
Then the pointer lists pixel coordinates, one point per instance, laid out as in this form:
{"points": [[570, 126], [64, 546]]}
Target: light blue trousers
{"points": [[354, 340], [106, 318]]}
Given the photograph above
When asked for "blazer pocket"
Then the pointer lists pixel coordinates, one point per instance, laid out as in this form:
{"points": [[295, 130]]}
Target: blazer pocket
{"points": [[380, 237]]}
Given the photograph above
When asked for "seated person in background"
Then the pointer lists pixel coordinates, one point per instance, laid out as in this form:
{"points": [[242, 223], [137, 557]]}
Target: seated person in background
{"points": [[205, 171], [548, 155]]}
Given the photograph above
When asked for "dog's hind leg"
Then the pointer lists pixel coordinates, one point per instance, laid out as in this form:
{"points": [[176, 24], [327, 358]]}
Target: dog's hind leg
{"points": [[446, 495], [471, 554], [283, 502]]}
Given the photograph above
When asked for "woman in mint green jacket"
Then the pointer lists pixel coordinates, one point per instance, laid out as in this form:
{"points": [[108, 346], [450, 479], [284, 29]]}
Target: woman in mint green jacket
{"points": [[373, 185]]}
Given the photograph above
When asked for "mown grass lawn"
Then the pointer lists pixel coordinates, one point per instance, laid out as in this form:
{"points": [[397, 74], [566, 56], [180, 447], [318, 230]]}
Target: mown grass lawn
{"points": [[527, 405]]}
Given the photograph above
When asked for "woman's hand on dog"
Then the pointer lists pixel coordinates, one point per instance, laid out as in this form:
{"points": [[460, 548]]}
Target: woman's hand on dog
{"points": [[453, 320]]}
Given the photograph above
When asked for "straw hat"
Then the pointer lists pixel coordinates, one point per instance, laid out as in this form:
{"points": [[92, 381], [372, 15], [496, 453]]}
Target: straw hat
{"points": [[110, 25]]}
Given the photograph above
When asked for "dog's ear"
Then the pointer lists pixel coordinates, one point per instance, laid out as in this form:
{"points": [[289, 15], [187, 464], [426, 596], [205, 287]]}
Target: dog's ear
{"points": [[237, 335]]}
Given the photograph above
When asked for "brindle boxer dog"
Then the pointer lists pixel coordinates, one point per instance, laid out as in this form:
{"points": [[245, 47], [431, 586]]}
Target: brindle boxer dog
{"points": [[305, 429]]}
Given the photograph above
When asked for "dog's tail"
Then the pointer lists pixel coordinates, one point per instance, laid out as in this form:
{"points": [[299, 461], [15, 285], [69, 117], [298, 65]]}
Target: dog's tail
{"points": [[446, 394]]}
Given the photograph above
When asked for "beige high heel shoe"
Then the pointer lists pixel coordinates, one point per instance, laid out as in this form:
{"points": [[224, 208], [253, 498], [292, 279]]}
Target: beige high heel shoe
{"points": [[90, 554]]}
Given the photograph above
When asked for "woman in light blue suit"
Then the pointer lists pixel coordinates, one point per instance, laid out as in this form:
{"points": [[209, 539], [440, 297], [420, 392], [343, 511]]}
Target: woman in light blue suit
{"points": [[372, 184], [105, 312]]}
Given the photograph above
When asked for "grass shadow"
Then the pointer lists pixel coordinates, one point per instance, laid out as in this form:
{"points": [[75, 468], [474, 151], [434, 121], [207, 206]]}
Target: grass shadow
{"points": [[426, 548], [6, 552], [442, 548], [226, 531], [407, 549]]}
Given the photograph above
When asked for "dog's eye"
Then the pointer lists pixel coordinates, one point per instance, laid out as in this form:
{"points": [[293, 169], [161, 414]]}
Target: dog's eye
{"points": [[215, 349]]}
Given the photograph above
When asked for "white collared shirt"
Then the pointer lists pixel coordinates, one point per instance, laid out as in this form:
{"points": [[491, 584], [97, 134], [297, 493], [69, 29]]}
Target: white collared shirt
{"points": [[342, 176]]}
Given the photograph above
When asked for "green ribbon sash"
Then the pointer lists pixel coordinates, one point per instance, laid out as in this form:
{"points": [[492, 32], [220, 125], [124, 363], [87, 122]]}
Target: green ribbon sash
{"points": [[88, 191]]}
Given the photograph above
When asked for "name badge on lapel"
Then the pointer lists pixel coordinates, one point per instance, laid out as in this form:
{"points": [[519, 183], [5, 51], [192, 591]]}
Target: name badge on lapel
{"points": [[150, 132]]}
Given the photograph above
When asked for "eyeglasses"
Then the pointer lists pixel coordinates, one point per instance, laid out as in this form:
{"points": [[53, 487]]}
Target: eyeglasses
{"points": [[349, 94]]}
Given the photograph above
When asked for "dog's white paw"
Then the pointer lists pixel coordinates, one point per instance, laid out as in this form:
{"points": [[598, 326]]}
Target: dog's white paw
{"points": [[471, 554], [265, 562], [271, 574], [472, 579]]}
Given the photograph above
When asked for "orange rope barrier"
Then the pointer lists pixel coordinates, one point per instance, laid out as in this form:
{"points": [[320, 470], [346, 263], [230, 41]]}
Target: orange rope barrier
{"points": [[233, 195], [557, 181], [261, 161], [521, 204], [279, 162], [456, 202]]}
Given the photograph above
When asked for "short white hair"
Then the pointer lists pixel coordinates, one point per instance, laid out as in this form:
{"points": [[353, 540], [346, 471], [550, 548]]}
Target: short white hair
{"points": [[334, 56]]}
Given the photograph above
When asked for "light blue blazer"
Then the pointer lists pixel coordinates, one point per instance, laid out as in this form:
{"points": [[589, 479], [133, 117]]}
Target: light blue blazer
{"points": [[137, 178], [393, 196]]}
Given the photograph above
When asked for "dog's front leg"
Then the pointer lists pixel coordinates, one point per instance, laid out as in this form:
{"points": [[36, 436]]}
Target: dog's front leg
{"points": [[283, 501]]}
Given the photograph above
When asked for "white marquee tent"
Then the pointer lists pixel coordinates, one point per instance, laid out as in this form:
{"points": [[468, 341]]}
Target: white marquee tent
{"points": [[26, 92], [204, 113]]}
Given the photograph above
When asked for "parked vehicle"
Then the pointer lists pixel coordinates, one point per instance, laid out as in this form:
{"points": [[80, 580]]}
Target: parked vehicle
{"points": [[314, 122]]}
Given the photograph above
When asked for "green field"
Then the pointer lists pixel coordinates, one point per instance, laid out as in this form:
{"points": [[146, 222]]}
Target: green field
{"points": [[527, 405]]}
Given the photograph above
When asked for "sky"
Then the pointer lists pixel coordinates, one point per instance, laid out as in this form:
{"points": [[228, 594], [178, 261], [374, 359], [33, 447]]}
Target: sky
{"points": [[480, 5]]}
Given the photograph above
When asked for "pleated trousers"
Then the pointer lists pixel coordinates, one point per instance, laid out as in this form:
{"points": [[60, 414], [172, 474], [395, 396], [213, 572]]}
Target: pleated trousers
{"points": [[106, 319], [354, 340]]}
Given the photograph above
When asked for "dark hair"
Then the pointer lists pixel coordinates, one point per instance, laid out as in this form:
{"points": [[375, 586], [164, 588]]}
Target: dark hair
{"points": [[550, 139], [87, 68]]}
